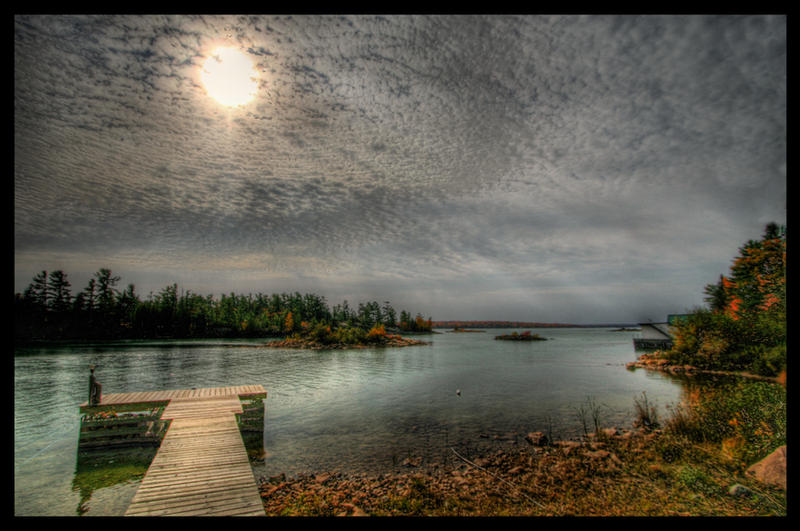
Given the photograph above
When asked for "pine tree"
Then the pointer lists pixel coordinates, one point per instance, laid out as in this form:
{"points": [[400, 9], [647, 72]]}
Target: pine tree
{"points": [[60, 292], [38, 291]]}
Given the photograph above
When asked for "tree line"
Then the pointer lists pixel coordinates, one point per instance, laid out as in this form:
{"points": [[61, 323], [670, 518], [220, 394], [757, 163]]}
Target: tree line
{"points": [[48, 310]]}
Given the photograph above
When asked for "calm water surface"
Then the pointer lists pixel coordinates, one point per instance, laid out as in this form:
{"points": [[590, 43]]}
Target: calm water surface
{"points": [[341, 410]]}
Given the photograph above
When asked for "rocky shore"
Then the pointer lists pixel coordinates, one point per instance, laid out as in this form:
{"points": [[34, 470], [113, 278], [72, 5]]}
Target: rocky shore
{"points": [[656, 361], [610, 473], [310, 344]]}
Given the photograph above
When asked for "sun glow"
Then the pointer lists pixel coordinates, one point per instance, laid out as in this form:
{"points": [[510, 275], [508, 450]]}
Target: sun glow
{"points": [[229, 77]]}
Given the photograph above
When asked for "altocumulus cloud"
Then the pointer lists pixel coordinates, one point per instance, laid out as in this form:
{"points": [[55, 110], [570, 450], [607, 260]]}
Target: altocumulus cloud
{"points": [[551, 168]]}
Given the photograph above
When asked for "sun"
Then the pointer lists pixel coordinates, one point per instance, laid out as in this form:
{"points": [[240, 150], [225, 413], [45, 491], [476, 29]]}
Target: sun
{"points": [[229, 77]]}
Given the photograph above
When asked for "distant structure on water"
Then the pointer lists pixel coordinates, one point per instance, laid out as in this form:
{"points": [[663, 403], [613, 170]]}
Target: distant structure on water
{"points": [[656, 336]]}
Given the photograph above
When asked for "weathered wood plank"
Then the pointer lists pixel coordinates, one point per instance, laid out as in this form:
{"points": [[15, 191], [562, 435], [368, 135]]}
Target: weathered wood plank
{"points": [[161, 396]]}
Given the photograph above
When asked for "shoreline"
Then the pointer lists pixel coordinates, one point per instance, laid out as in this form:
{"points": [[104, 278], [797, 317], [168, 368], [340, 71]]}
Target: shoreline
{"points": [[653, 362], [598, 475]]}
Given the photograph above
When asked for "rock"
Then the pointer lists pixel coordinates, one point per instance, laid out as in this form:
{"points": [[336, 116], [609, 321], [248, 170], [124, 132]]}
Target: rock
{"points": [[412, 461], [536, 438], [771, 469], [739, 490]]}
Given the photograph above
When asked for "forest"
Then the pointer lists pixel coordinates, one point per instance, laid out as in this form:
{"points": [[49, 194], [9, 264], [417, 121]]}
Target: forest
{"points": [[47, 310]]}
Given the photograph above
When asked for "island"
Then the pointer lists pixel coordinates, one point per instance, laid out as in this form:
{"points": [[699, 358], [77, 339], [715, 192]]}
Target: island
{"points": [[524, 336], [464, 330], [322, 337]]}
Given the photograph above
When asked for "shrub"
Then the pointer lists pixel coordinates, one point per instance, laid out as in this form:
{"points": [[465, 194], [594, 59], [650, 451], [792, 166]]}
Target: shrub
{"points": [[696, 480], [751, 413], [377, 334], [672, 447], [350, 336], [769, 361], [321, 333]]}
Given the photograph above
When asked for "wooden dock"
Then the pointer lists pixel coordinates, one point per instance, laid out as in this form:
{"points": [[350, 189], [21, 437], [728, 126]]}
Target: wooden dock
{"points": [[201, 467]]}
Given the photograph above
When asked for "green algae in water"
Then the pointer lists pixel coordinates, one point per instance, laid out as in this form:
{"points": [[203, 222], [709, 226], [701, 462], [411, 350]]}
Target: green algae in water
{"points": [[251, 426], [99, 469]]}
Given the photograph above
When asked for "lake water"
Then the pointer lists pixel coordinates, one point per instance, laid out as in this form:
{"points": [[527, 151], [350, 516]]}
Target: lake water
{"points": [[340, 410]]}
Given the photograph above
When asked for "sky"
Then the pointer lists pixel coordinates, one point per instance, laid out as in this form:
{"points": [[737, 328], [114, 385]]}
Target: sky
{"points": [[571, 169]]}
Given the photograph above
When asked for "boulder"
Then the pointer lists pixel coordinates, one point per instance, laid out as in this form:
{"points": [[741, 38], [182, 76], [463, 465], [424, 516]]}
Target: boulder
{"points": [[771, 469]]}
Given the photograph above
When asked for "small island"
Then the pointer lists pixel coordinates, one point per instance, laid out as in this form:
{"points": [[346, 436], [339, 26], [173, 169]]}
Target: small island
{"points": [[321, 337], [524, 336]]}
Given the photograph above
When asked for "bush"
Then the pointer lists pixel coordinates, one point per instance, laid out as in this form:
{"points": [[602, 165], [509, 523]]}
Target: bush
{"points": [[696, 480], [769, 361], [714, 340], [672, 447], [751, 412], [321, 333], [704, 339], [377, 334], [350, 336]]}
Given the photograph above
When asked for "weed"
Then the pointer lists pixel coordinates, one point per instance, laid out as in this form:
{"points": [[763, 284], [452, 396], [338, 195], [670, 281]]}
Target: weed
{"points": [[697, 480], [646, 414]]}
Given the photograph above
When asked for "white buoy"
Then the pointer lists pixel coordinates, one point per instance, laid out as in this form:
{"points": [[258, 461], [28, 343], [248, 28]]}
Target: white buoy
{"points": [[458, 392]]}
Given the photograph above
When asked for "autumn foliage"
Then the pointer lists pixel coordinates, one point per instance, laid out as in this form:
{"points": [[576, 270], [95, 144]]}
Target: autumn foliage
{"points": [[744, 326]]}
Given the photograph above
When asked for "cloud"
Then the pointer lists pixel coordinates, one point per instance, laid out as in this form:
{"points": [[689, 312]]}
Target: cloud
{"points": [[422, 154]]}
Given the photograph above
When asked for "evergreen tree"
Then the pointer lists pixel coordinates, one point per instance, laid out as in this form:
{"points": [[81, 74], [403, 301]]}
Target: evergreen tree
{"points": [[89, 298], [38, 291], [60, 291], [716, 295], [106, 292]]}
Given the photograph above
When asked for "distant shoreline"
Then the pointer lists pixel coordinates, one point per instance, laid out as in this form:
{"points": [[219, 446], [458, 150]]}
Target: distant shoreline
{"points": [[522, 324]]}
